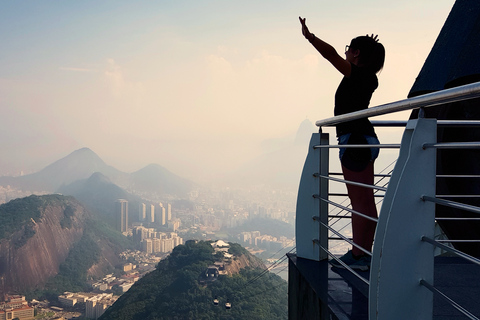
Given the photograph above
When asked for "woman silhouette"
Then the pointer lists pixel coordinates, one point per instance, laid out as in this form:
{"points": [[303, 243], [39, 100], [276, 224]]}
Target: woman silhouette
{"points": [[364, 58]]}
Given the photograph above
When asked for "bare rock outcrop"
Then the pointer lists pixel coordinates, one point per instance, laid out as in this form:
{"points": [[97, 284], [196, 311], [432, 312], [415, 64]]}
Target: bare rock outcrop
{"points": [[33, 254], [243, 261]]}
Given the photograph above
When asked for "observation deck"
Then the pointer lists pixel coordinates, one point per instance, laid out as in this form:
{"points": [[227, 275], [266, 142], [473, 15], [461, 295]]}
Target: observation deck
{"points": [[425, 258]]}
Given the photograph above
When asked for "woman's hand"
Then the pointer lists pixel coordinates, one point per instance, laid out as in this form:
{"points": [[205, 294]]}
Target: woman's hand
{"points": [[307, 34]]}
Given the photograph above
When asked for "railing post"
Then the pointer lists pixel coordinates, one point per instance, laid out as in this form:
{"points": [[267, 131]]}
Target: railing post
{"points": [[311, 187], [323, 213], [400, 259]]}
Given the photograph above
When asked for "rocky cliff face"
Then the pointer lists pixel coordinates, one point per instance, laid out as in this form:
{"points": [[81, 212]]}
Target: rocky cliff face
{"points": [[45, 244], [243, 261], [107, 261]]}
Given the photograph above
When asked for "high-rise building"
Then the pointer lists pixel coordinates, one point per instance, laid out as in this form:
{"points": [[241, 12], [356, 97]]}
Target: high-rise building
{"points": [[160, 214], [121, 213], [156, 245], [147, 245], [174, 225], [139, 233], [163, 216], [169, 212], [142, 212], [151, 214]]}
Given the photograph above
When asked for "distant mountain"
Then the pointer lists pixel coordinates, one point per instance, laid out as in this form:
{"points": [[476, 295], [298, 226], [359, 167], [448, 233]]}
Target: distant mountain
{"points": [[82, 163], [99, 194], [281, 165], [156, 179]]}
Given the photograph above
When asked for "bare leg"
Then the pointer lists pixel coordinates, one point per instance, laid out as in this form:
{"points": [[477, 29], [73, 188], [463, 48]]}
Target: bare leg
{"points": [[363, 201]]}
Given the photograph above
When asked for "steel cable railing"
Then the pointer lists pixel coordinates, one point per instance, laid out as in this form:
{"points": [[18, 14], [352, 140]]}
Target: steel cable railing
{"points": [[433, 99], [456, 205], [345, 210], [454, 304]]}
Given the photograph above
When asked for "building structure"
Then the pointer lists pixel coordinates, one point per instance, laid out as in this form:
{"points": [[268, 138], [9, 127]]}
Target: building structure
{"points": [[15, 306], [151, 214], [161, 242], [173, 225], [142, 212], [121, 212], [147, 245], [68, 299], [96, 306], [162, 214]]}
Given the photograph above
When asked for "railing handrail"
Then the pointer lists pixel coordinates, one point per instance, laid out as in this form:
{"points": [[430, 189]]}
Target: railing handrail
{"points": [[460, 93]]}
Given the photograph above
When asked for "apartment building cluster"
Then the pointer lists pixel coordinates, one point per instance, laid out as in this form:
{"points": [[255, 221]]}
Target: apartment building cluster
{"points": [[16, 307], [141, 259], [95, 304], [158, 213], [265, 241], [124, 282], [148, 214], [153, 241]]}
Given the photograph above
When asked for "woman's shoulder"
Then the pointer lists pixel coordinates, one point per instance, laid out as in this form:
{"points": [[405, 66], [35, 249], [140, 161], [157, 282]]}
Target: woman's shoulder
{"points": [[362, 71], [363, 74]]}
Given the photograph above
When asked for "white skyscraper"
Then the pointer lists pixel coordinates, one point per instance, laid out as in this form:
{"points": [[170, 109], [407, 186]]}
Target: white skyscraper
{"points": [[151, 214], [121, 212], [162, 214], [142, 212]]}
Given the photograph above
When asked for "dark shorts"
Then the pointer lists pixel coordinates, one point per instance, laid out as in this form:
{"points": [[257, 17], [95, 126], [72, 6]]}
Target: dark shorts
{"points": [[357, 159]]}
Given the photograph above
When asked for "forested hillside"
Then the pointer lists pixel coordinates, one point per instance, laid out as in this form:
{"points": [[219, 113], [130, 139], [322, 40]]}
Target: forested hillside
{"points": [[177, 290]]}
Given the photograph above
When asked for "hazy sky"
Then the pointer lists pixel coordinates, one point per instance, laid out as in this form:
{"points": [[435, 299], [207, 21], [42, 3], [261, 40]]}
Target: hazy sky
{"points": [[194, 85]]}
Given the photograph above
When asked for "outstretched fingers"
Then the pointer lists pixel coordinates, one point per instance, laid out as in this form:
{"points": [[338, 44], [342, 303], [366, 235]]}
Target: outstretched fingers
{"points": [[305, 31]]}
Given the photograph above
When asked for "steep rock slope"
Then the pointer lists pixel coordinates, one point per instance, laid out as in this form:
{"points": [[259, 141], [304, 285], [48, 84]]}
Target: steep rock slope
{"points": [[32, 254], [54, 243], [244, 261]]}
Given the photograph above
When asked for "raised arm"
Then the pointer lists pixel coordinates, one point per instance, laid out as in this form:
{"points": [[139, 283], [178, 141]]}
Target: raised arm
{"points": [[327, 51]]}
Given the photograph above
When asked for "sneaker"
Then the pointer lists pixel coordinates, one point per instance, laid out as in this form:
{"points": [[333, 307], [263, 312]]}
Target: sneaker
{"points": [[362, 264], [347, 258]]}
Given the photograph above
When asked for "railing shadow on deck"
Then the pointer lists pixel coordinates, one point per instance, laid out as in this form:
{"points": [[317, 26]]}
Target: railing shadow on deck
{"points": [[401, 278]]}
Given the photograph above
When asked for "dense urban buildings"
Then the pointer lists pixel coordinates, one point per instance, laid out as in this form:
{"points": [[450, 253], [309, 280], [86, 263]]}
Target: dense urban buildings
{"points": [[153, 241]]}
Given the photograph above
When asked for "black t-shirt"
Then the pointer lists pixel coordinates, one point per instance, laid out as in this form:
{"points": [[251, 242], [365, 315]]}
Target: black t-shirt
{"points": [[353, 94]]}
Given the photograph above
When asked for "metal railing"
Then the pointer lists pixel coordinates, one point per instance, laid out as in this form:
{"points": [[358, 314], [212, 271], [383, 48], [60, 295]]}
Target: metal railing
{"points": [[406, 225]]}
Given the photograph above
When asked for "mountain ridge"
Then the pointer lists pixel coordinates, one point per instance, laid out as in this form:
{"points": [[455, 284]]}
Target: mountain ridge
{"points": [[83, 163]]}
